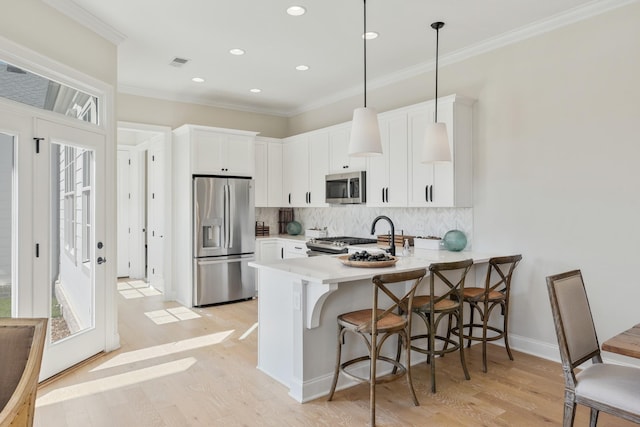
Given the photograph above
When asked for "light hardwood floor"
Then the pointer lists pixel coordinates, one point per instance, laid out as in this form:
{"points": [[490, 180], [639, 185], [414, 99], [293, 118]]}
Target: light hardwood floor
{"points": [[202, 372]]}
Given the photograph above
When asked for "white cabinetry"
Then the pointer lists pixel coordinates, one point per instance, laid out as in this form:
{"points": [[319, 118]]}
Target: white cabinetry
{"points": [[446, 184], [268, 172], [261, 174], [387, 174], [294, 249], [305, 160], [339, 160], [268, 250], [217, 151]]}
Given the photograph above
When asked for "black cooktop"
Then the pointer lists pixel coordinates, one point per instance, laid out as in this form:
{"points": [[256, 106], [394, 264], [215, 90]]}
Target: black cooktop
{"points": [[346, 240], [336, 245]]}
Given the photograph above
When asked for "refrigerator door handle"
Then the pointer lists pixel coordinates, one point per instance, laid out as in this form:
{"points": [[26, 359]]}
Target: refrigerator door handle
{"points": [[230, 203], [225, 219]]}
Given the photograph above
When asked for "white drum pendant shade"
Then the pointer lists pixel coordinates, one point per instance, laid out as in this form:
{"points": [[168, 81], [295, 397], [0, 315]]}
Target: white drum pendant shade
{"points": [[436, 144], [365, 133]]}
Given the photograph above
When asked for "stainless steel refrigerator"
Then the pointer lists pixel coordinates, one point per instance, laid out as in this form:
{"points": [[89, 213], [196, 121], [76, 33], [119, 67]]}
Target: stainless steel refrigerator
{"points": [[223, 239]]}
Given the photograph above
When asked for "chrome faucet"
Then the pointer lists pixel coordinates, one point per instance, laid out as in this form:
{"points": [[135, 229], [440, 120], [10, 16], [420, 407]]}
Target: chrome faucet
{"points": [[392, 249]]}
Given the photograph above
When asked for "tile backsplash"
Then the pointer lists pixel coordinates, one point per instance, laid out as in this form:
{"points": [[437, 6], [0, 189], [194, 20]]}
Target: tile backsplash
{"points": [[355, 220]]}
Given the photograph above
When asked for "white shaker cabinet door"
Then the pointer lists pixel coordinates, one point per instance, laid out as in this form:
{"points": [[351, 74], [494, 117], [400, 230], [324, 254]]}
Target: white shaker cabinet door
{"points": [[339, 160], [318, 168], [296, 171], [275, 173], [387, 174], [261, 177], [442, 184]]}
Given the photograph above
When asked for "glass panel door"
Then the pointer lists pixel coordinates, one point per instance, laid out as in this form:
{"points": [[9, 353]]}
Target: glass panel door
{"points": [[70, 205]]}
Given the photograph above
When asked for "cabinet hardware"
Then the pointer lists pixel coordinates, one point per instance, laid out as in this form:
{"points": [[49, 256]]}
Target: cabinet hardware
{"points": [[289, 198], [281, 253], [101, 260], [383, 195], [386, 194]]}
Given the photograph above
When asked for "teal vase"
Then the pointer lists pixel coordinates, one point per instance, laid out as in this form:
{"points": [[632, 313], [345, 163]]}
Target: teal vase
{"points": [[294, 228], [455, 240]]}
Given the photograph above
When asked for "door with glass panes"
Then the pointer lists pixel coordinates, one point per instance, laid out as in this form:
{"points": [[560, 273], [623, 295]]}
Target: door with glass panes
{"points": [[51, 233]]}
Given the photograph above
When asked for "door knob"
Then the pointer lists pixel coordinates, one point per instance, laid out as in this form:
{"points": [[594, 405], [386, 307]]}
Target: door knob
{"points": [[101, 260]]}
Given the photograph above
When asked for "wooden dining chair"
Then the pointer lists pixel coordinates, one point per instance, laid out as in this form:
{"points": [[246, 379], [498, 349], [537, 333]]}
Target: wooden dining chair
{"points": [[483, 300], [600, 386], [439, 305], [21, 348], [375, 326]]}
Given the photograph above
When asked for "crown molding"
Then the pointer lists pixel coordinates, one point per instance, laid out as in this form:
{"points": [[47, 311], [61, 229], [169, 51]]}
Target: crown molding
{"points": [[577, 14], [156, 94], [81, 16]]}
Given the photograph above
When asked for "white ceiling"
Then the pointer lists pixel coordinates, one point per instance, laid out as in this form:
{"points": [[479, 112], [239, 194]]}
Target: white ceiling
{"points": [[327, 39]]}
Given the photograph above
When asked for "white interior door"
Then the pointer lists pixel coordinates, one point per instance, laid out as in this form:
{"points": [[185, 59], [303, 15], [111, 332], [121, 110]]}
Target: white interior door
{"points": [[124, 209], [69, 228], [156, 217]]}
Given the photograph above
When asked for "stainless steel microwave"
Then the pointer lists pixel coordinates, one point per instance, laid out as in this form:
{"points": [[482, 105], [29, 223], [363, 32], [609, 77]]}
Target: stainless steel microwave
{"points": [[346, 188]]}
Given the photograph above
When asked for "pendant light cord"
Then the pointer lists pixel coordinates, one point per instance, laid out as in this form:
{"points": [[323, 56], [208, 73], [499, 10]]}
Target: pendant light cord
{"points": [[364, 36], [437, 44]]}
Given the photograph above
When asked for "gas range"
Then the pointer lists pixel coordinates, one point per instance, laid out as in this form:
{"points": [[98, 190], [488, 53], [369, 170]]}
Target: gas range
{"points": [[334, 245]]}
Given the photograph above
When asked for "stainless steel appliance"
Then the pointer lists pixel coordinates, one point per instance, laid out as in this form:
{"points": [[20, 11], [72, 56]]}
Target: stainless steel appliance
{"points": [[223, 239], [334, 245], [346, 188]]}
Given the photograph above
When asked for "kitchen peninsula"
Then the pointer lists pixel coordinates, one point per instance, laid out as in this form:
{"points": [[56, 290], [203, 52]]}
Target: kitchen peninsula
{"points": [[298, 302]]}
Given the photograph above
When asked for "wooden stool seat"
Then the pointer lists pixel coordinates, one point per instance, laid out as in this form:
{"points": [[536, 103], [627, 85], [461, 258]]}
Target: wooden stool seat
{"points": [[421, 302], [390, 322], [477, 294]]}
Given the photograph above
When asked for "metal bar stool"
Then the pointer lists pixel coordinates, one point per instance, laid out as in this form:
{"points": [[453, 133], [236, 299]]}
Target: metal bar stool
{"points": [[375, 325]]}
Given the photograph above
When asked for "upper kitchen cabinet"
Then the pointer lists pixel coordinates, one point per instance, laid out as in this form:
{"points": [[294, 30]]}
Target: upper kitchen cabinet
{"points": [[268, 172], [305, 165], [446, 184], [339, 160], [217, 151], [387, 174]]}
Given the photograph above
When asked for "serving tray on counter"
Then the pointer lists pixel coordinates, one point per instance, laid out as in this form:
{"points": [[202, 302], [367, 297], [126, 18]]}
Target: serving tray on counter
{"points": [[367, 264]]}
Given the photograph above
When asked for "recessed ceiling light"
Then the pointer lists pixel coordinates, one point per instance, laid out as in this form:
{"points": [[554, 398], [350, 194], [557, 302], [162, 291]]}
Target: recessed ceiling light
{"points": [[296, 10], [302, 67], [197, 80], [236, 51], [370, 35], [255, 90]]}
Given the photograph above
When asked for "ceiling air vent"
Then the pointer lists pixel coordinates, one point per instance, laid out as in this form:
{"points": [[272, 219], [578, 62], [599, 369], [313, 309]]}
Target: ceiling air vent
{"points": [[178, 62]]}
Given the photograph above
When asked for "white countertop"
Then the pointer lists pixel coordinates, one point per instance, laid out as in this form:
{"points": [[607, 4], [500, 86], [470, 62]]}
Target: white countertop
{"points": [[329, 269]]}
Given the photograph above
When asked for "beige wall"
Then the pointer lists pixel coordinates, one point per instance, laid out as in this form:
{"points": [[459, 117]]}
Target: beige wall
{"points": [[38, 27], [138, 109], [556, 154]]}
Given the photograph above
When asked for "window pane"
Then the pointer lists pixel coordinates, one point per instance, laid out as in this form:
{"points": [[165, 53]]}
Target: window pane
{"points": [[71, 308], [28, 88]]}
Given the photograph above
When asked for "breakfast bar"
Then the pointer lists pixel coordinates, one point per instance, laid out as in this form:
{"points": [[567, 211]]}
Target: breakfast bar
{"points": [[298, 302]]}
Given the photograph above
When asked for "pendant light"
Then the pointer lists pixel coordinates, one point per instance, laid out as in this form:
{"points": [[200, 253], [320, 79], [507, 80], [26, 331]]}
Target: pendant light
{"points": [[436, 139], [365, 132]]}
